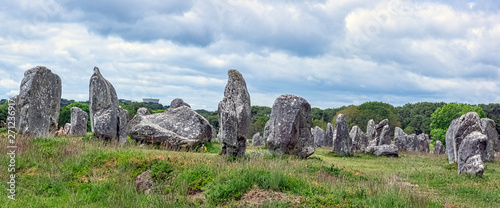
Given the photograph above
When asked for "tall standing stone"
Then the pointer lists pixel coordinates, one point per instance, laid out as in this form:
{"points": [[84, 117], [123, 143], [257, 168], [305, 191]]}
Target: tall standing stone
{"points": [[122, 125], [79, 120], [39, 102], [398, 132], [423, 142], [319, 136], [234, 115], [458, 130], [103, 107], [385, 137], [359, 139], [342, 143], [329, 135], [288, 131], [370, 130], [488, 128]]}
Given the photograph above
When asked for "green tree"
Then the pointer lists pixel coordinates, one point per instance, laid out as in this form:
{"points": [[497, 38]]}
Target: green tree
{"points": [[4, 110], [442, 117], [417, 117], [65, 113]]}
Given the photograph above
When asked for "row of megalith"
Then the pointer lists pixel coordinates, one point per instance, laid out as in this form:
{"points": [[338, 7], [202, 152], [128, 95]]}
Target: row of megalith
{"points": [[470, 140]]}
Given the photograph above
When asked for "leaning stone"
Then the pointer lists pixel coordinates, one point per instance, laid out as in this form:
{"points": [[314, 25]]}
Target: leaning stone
{"points": [[234, 115], [385, 138], [38, 103], [79, 120], [342, 143], [370, 130], [288, 130]]}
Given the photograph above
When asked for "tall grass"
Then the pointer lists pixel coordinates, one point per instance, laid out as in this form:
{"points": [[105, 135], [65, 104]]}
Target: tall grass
{"points": [[84, 172]]}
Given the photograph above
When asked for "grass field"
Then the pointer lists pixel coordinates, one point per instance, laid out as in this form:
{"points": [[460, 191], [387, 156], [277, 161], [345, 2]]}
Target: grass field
{"points": [[83, 172]]}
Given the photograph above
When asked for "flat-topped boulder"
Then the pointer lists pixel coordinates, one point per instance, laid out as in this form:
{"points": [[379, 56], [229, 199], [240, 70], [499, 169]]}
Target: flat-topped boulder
{"points": [[234, 115], [288, 131], [176, 127], [38, 102]]}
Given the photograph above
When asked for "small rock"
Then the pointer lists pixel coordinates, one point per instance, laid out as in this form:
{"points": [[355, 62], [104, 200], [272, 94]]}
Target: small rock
{"points": [[144, 183]]}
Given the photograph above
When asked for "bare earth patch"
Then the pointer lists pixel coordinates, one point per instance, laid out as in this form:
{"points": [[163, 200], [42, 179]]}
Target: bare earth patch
{"points": [[258, 196], [197, 195]]}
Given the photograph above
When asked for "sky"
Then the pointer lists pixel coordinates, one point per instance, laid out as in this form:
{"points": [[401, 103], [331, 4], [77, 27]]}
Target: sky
{"points": [[332, 53]]}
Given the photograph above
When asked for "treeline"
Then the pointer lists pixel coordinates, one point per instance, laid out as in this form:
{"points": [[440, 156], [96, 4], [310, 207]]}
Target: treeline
{"points": [[412, 118]]}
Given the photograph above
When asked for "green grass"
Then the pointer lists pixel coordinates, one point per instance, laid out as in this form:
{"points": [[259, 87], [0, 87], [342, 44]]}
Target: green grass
{"points": [[85, 172]]}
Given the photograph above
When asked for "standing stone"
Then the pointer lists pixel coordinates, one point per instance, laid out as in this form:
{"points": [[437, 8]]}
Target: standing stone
{"points": [[342, 143], [381, 132], [234, 115], [39, 102], [78, 122], [319, 136], [439, 148], [143, 112], [423, 143], [103, 107], [257, 140], [288, 130], [359, 139], [458, 130], [411, 142], [472, 145], [398, 132], [385, 137], [177, 102], [488, 127], [67, 128], [370, 130], [122, 125], [329, 135]]}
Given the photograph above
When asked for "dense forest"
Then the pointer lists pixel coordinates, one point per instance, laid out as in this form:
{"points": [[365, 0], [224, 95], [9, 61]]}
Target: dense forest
{"points": [[412, 118]]}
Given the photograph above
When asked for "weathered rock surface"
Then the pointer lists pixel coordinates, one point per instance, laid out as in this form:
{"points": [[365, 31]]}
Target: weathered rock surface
{"points": [[342, 142], [398, 132], [474, 166], [383, 150], [78, 124], [359, 139], [67, 128], [488, 127], [234, 115], [329, 134], [38, 102], [177, 102], [319, 136], [288, 131], [122, 125], [423, 142], [143, 182], [385, 137], [103, 107], [439, 148], [458, 130], [176, 127], [473, 145], [371, 130], [257, 140], [143, 112]]}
